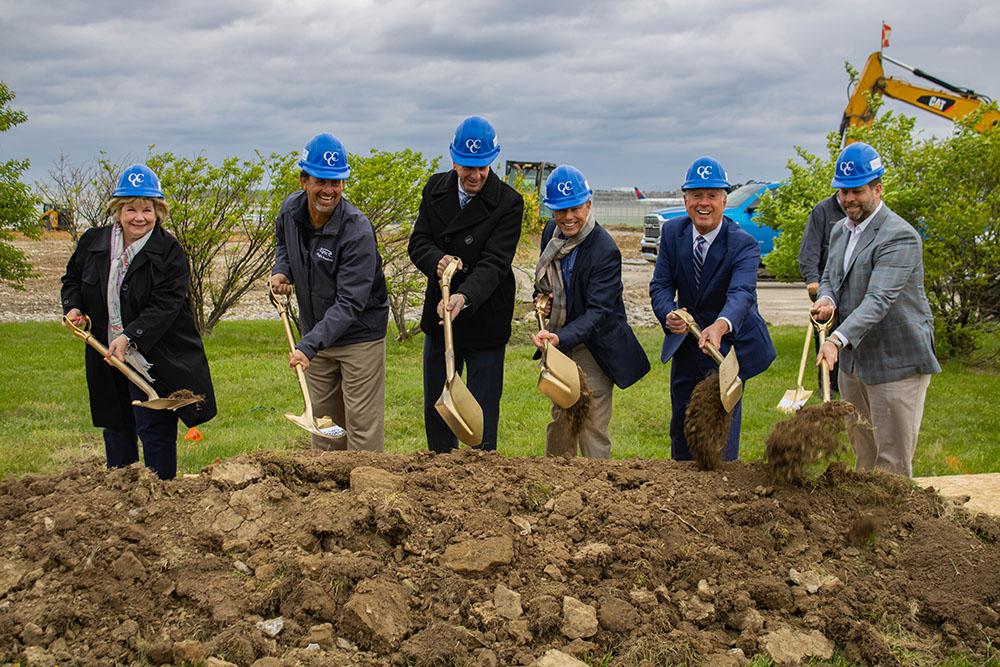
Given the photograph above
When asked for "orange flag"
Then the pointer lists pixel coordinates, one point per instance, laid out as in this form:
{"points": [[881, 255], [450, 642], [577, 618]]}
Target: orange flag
{"points": [[193, 434], [886, 31]]}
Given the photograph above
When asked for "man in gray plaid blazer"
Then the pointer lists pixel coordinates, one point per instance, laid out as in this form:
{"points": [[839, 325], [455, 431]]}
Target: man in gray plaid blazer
{"points": [[885, 341]]}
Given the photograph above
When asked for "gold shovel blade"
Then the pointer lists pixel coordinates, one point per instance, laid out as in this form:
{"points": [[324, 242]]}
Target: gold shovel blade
{"points": [[461, 412], [730, 384], [559, 378], [323, 427], [794, 399], [167, 403]]}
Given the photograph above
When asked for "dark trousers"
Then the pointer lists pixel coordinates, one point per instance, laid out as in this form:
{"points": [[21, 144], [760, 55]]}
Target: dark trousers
{"points": [[688, 367], [484, 379], [156, 428]]}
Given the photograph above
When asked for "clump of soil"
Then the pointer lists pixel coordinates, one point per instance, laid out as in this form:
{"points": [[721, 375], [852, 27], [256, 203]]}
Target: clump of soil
{"points": [[813, 435], [470, 558], [186, 394], [706, 423]]}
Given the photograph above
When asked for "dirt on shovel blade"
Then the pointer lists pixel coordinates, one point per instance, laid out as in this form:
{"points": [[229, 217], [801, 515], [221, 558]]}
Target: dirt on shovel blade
{"points": [[186, 393], [706, 423], [476, 559]]}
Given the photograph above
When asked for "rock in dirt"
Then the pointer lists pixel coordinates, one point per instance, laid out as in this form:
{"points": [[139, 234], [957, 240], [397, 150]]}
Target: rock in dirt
{"points": [[379, 611], [35, 656], [579, 619], [188, 651], [568, 503], [792, 647], [507, 602], [367, 478], [272, 627], [556, 658], [617, 615], [477, 556], [236, 473]]}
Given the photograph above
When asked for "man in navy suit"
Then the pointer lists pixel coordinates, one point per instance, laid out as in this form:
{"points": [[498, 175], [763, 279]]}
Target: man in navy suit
{"points": [[707, 266], [581, 268]]}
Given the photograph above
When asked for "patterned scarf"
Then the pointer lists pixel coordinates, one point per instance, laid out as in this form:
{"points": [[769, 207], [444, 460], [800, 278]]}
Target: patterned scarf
{"points": [[548, 270], [121, 257]]}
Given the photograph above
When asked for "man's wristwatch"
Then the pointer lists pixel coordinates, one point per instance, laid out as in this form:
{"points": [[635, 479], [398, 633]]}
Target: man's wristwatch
{"points": [[837, 343]]}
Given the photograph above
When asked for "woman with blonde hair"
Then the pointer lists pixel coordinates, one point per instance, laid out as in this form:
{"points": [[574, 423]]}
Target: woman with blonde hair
{"points": [[130, 278]]}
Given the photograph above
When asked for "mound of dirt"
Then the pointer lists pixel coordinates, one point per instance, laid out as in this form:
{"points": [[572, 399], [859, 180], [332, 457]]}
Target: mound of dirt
{"points": [[475, 559]]}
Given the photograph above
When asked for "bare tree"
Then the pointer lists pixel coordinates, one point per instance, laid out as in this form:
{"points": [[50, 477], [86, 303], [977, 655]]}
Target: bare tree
{"points": [[223, 215]]}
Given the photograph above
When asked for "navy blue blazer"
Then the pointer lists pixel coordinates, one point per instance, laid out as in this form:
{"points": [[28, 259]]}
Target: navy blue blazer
{"points": [[728, 289], [595, 308]]}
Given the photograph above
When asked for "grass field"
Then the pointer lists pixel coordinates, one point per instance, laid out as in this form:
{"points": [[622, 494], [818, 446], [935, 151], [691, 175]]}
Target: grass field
{"points": [[45, 420]]}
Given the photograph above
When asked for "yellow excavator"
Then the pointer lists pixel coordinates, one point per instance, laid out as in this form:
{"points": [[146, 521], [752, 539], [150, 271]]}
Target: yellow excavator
{"points": [[954, 105]]}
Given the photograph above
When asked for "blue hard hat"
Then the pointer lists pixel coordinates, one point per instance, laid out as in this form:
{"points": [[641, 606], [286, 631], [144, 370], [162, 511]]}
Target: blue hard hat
{"points": [[857, 165], [565, 188], [705, 172], [475, 143], [325, 157], [138, 181]]}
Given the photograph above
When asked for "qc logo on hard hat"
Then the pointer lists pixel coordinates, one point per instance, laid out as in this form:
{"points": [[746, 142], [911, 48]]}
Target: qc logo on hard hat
{"points": [[565, 188], [138, 181], [705, 172], [475, 144], [857, 165], [325, 157]]}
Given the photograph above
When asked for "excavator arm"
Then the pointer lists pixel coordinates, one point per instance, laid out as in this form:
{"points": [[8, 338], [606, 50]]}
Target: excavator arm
{"points": [[954, 104]]}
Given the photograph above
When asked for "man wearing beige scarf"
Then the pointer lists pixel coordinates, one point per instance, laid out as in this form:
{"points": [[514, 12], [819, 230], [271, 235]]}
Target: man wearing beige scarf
{"points": [[580, 268]]}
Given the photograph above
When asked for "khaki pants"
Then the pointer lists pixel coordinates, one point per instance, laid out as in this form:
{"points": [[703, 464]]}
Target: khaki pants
{"points": [[347, 383], [593, 441], [895, 410]]}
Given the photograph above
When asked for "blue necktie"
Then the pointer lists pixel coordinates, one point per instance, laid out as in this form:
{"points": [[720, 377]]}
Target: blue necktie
{"points": [[463, 199], [699, 259]]}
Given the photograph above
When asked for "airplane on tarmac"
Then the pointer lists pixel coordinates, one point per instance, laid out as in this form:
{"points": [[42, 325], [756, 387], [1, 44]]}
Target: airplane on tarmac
{"points": [[665, 201]]}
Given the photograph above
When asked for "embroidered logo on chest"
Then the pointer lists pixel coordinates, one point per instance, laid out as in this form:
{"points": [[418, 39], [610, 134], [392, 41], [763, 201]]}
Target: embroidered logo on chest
{"points": [[324, 254]]}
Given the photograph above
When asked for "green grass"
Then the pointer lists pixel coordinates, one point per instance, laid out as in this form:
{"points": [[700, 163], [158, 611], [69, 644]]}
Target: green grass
{"points": [[45, 419]]}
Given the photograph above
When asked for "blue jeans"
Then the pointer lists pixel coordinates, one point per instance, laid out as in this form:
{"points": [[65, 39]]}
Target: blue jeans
{"points": [[156, 428], [484, 379]]}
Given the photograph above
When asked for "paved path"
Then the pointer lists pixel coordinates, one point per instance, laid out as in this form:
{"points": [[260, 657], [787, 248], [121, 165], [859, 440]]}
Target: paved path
{"points": [[983, 490]]}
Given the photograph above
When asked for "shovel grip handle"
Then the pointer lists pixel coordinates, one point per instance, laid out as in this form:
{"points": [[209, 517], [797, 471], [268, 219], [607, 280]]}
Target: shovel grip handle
{"points": [[83, 333], [695, 331], [825, 369], [449, 341]]}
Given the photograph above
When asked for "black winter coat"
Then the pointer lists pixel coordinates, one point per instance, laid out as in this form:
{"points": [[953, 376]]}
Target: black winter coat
{"points": [[484, 235], [157, 317]]}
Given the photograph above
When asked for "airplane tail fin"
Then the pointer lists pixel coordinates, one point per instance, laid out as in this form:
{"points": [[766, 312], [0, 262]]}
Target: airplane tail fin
{"points": [[638, 193]]}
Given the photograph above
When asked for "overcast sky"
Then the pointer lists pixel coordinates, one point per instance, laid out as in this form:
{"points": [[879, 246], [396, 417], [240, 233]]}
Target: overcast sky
{"points": [[630, 92]]}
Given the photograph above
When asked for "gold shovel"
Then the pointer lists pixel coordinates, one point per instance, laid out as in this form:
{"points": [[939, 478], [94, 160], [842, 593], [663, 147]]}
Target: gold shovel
{"points": [[456, 405], [321, 426], [153, 400], [823, 328], [796, 398], [559, 378], [730, 384]]}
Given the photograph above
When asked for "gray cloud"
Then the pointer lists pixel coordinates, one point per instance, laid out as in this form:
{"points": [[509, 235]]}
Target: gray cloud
{"points": [[630, 92]]}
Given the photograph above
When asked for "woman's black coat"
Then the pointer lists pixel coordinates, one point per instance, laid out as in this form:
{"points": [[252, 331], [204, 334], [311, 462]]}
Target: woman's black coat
{"points": [[156, 315]]}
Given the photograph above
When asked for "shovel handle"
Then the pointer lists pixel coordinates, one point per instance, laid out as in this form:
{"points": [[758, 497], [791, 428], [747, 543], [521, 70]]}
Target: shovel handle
{"points": [[449, 341], [695, 331], [83, 333], [825, 369], [281, 303], [823, 328], [805, 355]]}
